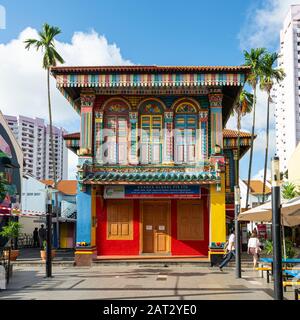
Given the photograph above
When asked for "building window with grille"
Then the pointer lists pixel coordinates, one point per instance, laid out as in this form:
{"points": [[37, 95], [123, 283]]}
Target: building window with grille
{"points": [[185, 136], [151, 124], [115, 133]]}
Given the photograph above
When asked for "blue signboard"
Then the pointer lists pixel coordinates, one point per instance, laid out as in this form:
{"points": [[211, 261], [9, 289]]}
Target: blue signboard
{"points": [[162, 191]]}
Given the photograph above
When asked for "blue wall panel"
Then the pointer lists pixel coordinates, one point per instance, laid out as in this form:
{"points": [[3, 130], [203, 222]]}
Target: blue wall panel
{"points": [[84, 209]]}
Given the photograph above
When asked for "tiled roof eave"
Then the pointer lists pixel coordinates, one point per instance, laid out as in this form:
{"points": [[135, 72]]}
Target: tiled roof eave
{"points": [[152, 178], [151, 182]]}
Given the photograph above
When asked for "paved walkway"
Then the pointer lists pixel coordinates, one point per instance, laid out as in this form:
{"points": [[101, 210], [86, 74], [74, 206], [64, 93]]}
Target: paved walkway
{"points": [[33, 254], [134, 282]]}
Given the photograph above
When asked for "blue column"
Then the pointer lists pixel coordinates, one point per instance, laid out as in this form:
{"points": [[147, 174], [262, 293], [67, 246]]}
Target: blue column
{"points": [[84, 216]]}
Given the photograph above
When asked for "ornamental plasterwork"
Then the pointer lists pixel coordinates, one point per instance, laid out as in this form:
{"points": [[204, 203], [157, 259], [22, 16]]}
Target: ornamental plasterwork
{"points": [[168, 115], [203, 115], [99, 116], [87, 100], [133, 116], [134, 100], [215, 99]]}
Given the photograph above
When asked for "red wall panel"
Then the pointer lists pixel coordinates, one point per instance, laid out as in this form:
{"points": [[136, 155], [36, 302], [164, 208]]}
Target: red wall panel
{"points": [[131, 247], [189, 247], [116, 247]]}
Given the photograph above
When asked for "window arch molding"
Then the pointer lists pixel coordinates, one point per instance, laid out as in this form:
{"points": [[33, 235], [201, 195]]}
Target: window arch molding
{"points": [[115, 100], [188, 101], [148, 101]]}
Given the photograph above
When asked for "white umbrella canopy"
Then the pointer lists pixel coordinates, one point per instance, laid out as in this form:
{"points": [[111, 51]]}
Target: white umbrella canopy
{"points": [[259, 213], [289, 208]]}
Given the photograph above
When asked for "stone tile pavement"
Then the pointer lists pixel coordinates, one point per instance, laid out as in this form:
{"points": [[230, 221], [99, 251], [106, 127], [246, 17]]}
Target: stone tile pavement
{"points": [[137, 282]]}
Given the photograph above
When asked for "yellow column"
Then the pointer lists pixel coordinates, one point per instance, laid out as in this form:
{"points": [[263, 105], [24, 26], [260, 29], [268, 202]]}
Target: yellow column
{"points": [[217, 219]]}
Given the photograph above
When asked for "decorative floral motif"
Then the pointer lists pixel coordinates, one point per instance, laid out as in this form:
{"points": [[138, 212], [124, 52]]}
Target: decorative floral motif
{"points": [[186, 108], [152, 108], [117, 108]]}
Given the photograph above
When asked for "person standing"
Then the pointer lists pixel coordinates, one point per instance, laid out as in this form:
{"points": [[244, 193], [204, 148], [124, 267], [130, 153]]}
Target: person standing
{"points": [[254, 248], [35, 238], [230, 250], [42, 235]]}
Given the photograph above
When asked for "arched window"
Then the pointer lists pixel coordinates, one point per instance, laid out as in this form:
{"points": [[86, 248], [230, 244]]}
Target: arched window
{"points": [[151, 124], [185, 133], [115, 132]]}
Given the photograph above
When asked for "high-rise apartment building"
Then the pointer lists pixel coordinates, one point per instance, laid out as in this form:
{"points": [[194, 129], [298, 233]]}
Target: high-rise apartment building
{"points": [[286, 95], [34, 138]]}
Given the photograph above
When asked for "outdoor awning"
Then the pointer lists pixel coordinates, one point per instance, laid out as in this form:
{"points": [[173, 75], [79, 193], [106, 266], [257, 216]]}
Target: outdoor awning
{"points": [[289, 210]]}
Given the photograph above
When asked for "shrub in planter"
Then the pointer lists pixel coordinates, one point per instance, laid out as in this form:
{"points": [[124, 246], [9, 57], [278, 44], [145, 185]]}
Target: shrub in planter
{"points": [[44, 252], [12, 231]]}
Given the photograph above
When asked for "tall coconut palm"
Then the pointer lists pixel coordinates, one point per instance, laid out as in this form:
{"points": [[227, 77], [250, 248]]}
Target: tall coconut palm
{"points": [[269, 75], [51, 57], [254, 60], [241, 108]]}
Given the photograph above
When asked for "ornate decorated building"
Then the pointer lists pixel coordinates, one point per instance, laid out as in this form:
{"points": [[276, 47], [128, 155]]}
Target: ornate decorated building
{"points": [[154, 166]]}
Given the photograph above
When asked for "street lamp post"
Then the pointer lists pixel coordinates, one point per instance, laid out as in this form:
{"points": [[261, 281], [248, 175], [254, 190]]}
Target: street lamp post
{"points": [[237, 205], [277, 254], [49, 233]]}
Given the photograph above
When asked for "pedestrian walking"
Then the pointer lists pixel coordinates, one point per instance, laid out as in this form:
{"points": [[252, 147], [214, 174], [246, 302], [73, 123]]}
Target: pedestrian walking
{"points": [[42, 235], [230, 250], [254, 248], [35, 238]]}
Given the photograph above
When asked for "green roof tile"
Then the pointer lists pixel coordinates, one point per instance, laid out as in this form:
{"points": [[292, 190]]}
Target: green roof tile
{"points": [[152, 176]]}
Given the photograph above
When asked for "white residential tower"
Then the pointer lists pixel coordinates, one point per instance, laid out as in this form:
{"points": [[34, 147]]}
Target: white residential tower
{"points": [[286, 95], [34, 138]]}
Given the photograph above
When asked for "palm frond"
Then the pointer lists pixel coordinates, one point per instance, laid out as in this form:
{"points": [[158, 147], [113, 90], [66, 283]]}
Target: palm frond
{"points": [[46, 43]]}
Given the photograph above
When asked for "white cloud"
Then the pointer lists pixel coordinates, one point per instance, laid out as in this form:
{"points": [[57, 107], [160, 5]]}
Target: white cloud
{"points": [[23, 81], [72, 163], [262, 25], [260, 175], [260, 117]]}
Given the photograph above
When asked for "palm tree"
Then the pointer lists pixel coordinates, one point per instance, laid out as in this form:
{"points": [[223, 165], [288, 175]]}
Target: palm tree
{"points": [[241, 108], [254, 60], [50, 59], [269, 75]]}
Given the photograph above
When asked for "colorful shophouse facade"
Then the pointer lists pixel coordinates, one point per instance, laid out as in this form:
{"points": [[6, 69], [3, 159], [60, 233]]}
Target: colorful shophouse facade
{"points": [[11, 169], [153, 166]]}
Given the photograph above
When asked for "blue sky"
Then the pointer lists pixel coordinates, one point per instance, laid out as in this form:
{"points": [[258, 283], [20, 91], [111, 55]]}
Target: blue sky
{"points": [[152, 32], [148, 32]]}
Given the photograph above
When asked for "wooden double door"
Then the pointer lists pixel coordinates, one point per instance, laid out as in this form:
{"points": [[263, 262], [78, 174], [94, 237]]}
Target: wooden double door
{"points": [[156, 227]]}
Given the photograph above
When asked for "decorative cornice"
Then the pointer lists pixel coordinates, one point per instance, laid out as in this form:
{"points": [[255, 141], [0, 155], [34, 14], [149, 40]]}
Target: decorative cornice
{"points": [[150, 80]]}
